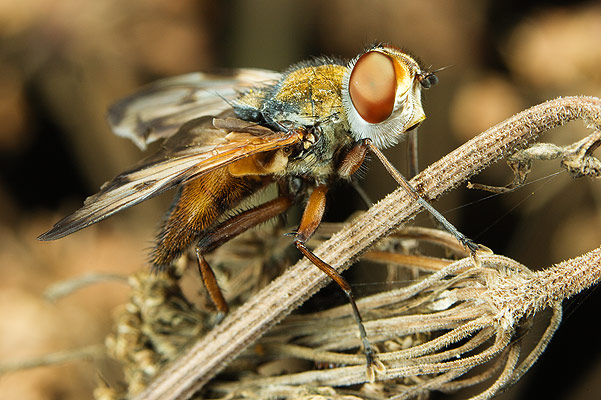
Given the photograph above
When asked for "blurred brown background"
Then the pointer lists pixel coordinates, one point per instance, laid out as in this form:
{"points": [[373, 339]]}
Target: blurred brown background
{"points": [[62, 62]]}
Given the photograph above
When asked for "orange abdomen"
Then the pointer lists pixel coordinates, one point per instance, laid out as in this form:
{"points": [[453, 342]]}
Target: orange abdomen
{"points": [[199, 205]]}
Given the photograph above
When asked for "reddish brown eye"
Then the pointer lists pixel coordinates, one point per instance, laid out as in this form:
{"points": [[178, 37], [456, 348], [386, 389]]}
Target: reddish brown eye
{"points": [[372, 86]]}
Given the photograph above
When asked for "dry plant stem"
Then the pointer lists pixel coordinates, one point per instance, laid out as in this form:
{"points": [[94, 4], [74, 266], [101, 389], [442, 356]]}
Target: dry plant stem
{"points": [[457, 384], [541, 345], [546, 287], [65, 288], [91, 352], [504, 378], [440, 355], [440, 381], [427, 385], [211, 353]]}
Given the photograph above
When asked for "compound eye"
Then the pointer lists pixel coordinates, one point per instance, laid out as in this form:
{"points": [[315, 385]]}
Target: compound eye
{"points": [[372, 86]]}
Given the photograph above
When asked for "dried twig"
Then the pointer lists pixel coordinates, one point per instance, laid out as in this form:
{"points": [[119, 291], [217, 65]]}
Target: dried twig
{"points": [[91, 352], [576, 158], [210, 354], [65, 288]]}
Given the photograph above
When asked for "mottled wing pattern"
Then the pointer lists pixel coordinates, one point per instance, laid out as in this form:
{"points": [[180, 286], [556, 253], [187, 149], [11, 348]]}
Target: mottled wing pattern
{"points": [[197, 148], [158, 110]]}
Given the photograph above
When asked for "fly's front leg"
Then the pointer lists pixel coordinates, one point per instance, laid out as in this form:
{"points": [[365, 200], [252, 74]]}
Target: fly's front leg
{"points": [[353, 160], [310, 221], [466, 242], [227, 230]]}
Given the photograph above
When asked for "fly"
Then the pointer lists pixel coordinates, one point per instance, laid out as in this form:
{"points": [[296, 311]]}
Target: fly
{"points": [[301, 130]]}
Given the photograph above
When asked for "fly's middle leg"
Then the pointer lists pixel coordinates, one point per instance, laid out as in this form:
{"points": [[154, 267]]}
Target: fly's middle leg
{"points": [[226, 231]]}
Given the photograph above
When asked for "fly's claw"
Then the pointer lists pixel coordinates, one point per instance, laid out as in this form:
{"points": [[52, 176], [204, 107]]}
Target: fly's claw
{"points": [[470, 245], [474, 249], [374, 366]]}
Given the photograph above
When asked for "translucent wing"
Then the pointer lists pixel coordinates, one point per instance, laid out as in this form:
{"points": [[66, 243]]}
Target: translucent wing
{"points": [[158, 110], [197, 148]]}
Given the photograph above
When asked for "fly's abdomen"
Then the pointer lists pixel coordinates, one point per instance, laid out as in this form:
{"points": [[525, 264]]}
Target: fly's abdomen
{"points": [[200, 203]]}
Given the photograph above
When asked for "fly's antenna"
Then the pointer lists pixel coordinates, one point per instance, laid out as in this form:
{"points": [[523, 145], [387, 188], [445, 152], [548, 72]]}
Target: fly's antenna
{"points": [[429, 78]]}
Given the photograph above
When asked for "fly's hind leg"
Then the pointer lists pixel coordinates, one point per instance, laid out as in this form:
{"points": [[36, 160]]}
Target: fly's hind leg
{"points": [[225, 231], [310, 221], [210, 282]]}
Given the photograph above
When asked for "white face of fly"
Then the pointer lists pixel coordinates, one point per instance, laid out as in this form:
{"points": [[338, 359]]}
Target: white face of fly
{"points": [[381, 95]]}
